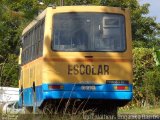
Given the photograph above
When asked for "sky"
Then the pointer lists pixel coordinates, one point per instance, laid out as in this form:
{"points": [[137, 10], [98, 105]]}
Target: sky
{"points": [[154, 8]]}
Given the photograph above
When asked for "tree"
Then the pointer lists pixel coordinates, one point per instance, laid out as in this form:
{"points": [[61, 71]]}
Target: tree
{"points": [[15, 14]]}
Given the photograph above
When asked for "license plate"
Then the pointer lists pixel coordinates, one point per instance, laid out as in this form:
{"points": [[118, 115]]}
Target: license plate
{"points": [[86, 87]]}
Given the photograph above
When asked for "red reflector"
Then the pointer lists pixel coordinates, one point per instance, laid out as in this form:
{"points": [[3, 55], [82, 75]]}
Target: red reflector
{"points": [[121, 87], [55, 87]]}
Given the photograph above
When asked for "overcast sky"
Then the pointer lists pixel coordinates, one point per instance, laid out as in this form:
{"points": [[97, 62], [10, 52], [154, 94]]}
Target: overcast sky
{"points": [[154, 8]]}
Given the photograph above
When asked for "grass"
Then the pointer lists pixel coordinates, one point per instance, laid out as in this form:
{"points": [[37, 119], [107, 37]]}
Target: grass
{"points": [[135, 110], [140, 111]]}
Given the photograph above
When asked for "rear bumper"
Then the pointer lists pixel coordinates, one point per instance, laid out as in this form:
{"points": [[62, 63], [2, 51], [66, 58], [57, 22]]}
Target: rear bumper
{"points": [[117, 95], [102, 91]]}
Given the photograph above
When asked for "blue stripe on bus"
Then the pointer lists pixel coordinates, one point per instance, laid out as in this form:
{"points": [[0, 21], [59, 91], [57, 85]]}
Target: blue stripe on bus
{"points": [[88, 95], [103, 91]]}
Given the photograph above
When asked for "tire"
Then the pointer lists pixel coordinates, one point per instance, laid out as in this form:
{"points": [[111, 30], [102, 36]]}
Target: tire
{"points": [[28, 110], [110, 110], [49, 107]]}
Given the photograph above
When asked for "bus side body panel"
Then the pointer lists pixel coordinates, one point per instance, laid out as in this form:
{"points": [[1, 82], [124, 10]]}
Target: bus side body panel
{"points": [[32, 73]]}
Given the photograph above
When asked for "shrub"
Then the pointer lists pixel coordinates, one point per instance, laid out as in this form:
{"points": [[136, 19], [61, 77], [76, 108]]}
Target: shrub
{"points": [[146, 79]]}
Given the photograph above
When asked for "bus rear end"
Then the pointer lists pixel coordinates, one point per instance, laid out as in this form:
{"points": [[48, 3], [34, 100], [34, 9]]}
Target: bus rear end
{"points": [[87, 54]]}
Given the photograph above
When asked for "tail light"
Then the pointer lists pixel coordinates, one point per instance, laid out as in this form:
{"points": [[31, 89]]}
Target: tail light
{"points": [[55, 87], [121, 87]]}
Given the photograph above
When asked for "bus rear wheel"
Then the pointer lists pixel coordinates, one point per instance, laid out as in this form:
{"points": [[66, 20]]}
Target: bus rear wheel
{"points": [[107, 110], [49, 107], [28, 110]]}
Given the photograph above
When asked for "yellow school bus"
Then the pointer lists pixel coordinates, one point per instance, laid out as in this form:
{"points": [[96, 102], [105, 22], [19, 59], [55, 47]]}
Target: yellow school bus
{"points": [[77, 52]]}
